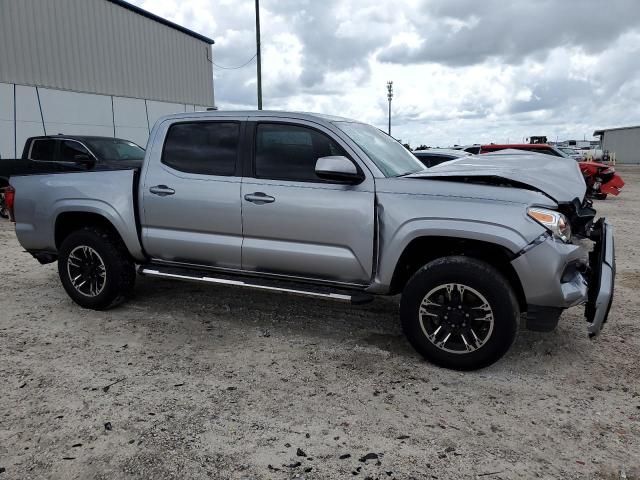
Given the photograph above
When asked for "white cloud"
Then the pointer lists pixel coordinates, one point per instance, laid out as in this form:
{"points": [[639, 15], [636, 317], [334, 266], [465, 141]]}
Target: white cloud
{"points": [[463, 71]]}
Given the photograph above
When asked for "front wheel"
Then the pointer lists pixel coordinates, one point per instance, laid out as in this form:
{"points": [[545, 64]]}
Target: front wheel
{"points": [[95, 268], [459, 313]]}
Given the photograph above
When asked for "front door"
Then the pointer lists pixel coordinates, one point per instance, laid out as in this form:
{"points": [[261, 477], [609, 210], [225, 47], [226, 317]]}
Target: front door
{"points": [[191, 195], [295, 223]]}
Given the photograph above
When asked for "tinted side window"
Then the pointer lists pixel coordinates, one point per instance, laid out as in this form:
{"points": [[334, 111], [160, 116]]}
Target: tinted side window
{"points": [[290, 152], [69, 149], [206, 148], [43, 150]]}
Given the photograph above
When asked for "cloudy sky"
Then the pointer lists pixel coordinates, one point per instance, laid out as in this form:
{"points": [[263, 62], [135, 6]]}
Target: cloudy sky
{"points": [[464, 71]]}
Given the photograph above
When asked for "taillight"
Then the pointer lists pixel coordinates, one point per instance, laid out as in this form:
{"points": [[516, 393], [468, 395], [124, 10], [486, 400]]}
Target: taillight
{"points": [[9, 201]]}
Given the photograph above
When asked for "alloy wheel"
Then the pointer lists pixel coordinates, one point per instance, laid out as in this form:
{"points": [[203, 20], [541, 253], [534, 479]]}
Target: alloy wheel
{"points": [[456, 318], [87, 271]]}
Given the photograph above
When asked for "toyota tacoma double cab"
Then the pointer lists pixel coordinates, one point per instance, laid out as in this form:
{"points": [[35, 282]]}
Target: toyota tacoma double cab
{"points": [[331, 208]]}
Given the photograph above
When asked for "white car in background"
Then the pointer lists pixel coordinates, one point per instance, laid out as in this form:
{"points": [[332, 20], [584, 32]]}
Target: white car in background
{"points": [[576, 154]]}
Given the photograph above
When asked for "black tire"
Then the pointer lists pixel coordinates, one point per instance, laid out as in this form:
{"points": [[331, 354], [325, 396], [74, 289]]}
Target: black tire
{"points": [[119, 268], [477, 277], [600, 196], [4, 212]]}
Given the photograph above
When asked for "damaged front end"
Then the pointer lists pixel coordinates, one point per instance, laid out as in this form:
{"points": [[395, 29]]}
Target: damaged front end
{"points": [[564, 267], [601, 276], [580, 215], [559, 275], [601, 268]]}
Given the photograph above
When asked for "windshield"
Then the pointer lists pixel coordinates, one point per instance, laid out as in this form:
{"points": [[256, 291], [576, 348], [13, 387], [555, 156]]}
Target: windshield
{"points": [[569, 151], [390, 156], [115, 149]]}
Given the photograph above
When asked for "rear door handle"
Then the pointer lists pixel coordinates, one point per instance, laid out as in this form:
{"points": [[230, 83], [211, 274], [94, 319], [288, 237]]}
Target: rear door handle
{"points": [[162, 190], [259, 198]]}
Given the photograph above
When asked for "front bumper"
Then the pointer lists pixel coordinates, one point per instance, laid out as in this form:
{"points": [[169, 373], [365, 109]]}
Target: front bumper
{"points": [[556, 275], [551, 273], [602, 277]]}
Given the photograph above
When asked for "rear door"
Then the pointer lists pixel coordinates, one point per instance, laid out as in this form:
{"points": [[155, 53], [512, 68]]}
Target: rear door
{"points": [[297, 224], [191, 194]]}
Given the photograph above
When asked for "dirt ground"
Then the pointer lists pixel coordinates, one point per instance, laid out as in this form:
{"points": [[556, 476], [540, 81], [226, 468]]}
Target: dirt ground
{"points": [[188, 381]]}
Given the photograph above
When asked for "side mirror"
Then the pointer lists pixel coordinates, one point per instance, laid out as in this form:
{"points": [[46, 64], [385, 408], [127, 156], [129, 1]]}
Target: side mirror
{"points": [[338, 169], [84, 159]]}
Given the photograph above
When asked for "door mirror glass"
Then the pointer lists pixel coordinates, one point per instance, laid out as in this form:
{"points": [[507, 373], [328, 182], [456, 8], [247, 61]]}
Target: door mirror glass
{"points": [[338, 169], [84, 159], [74, 151]]}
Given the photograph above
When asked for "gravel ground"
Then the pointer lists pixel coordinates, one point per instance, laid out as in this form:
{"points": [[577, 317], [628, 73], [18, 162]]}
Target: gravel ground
{"points": [[189, 381]]}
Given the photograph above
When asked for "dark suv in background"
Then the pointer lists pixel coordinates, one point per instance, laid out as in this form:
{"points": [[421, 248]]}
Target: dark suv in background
{"points": [[88, 150]]}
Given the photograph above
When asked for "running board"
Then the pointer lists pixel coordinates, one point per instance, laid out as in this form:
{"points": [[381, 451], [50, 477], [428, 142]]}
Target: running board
{"points": [[196, 276]]}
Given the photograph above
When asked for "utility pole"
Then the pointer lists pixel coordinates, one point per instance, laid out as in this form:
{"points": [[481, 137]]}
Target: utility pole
{"points": [[389, 96], [258, 56]]}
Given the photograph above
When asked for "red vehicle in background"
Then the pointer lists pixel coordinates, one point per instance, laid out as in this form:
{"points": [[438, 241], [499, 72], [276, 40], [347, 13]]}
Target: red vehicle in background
{"points": [[601, 179]]}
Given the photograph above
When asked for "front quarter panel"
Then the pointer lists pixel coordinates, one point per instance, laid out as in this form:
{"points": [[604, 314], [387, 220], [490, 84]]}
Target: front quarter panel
{"points": [[404, 217]]}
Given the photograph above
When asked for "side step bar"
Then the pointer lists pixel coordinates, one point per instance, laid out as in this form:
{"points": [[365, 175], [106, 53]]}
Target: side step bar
{"points": [[295, 289]]}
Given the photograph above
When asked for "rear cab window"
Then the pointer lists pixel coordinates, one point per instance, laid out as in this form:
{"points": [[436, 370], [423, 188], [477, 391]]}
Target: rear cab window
{"points": [[42, 149], [203, 148]]}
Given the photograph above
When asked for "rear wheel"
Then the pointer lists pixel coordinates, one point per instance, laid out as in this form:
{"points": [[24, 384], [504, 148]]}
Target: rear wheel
{"points": [[459, 313], [95, 268]]}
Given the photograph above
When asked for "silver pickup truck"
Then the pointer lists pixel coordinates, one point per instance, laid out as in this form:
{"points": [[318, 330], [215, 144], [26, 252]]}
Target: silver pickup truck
{"points": [[332, 208]]}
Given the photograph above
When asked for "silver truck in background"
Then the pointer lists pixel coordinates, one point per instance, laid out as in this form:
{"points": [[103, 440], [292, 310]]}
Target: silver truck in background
{"points": [[332, 208]]}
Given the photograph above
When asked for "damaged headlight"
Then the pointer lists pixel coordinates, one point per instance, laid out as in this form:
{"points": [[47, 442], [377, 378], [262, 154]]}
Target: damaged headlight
{"points": [[556, 222]]}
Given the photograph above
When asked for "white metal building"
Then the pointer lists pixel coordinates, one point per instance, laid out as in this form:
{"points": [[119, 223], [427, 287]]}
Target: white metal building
{"points": [[95, 67], [624, 142]]}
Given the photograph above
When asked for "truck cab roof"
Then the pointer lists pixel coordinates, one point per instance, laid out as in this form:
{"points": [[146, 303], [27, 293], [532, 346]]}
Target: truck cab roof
{"points": [[310, 116]]}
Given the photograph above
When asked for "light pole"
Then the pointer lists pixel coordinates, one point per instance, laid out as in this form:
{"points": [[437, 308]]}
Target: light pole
{"points": [[389, 96], [259, 61]]}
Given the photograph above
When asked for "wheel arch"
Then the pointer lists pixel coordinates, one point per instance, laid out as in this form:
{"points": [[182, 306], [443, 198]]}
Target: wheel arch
{"points": [[68, 220], [422, 250]]}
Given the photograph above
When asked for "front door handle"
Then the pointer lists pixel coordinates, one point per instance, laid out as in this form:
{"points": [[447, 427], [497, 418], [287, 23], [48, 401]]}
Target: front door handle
{"points": [[162, 190], [259, 198]]}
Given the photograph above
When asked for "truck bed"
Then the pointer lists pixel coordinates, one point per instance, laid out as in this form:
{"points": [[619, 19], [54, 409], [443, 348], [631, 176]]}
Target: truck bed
{"points": [[12, 167], [41, 198]]}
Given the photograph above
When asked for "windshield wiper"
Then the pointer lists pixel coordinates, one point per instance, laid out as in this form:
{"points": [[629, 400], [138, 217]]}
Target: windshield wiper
{"points": [[406, 173]]}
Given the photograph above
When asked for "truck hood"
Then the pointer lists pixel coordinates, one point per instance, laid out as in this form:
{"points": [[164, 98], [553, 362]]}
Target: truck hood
{"points": [[556, 177]]}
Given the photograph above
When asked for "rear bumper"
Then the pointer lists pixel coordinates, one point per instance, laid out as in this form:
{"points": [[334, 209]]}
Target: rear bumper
{"points": [[602, 277]]}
